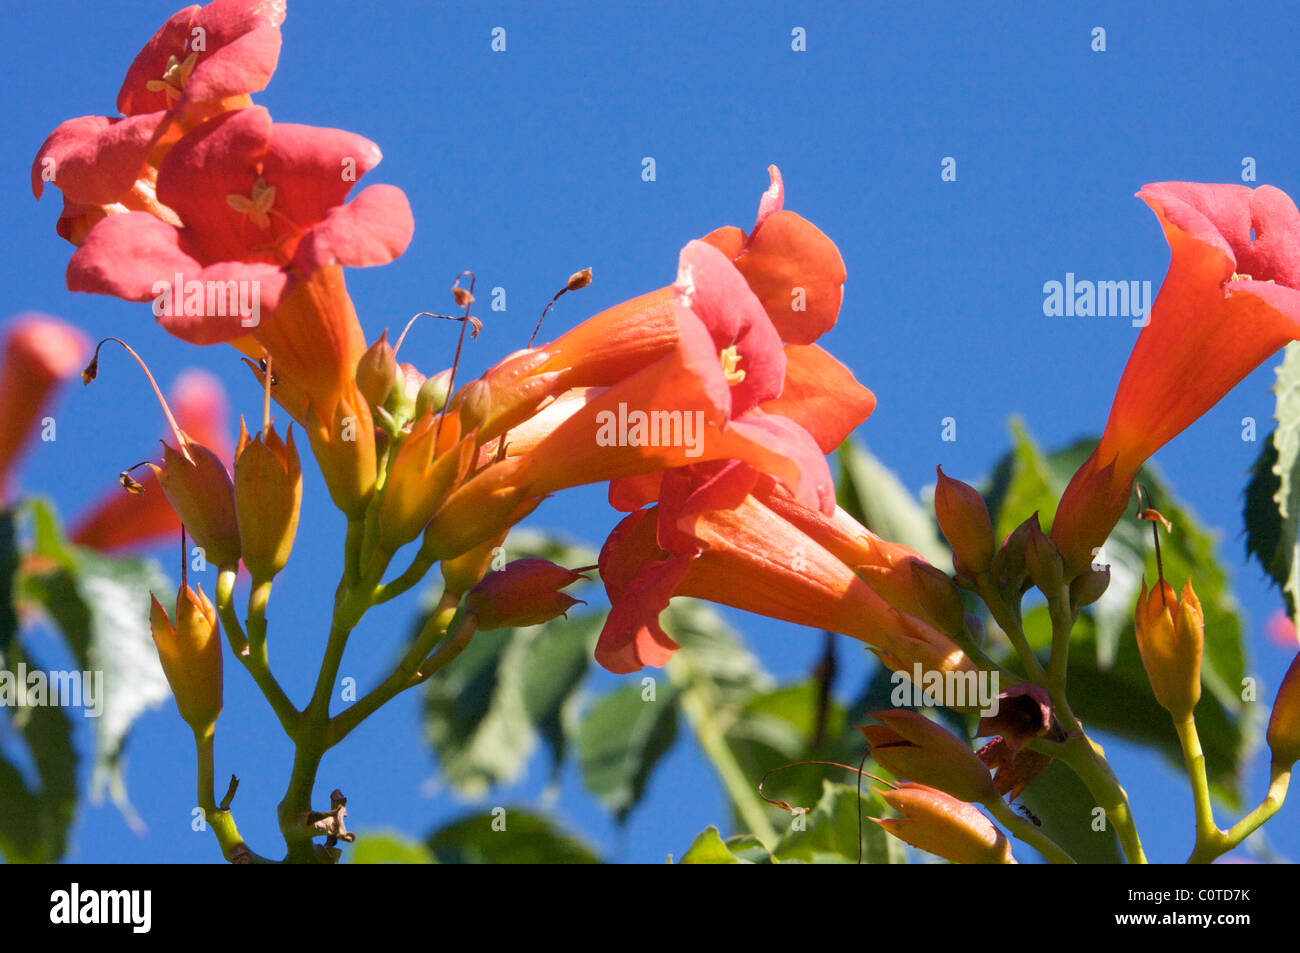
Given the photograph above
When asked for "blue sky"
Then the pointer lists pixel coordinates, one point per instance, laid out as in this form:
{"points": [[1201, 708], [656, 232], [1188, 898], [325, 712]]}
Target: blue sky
{"points": [[526, 165]]}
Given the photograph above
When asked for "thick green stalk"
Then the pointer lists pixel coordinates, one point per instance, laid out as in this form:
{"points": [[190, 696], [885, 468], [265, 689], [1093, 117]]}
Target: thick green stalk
{"points": [[1027, 832]]}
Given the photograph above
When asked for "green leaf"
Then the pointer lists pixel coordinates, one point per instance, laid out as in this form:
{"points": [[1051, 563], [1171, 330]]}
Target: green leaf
{"points": [[1062, 802], [34, 819], [1264, 530], [1272, 503], [101, 606], [390, 847], [877, 499], [709, 848], [8, 570], [775, 729], [484, 712], [513, 836], [621, 739], [828, 834]]}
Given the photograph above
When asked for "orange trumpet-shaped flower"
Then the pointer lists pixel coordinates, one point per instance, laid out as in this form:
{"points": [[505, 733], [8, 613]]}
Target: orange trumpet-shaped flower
{"points": [[1230, 299], [190, 653], [791, 267], [40, 353], [342, 435], [701, 402], [945, 826], [719, 536], [120, 520], [315, 342]]}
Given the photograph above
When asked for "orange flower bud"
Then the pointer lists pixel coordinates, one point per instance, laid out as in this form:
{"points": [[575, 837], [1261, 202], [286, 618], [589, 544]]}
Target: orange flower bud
{"points": [[944, 826], [938, 597], [200, 491], [422, 476], [909, 745], [526, 592], [345, 449], [377, 371], [964, 520], [1009, 568], [479, 509], [190, 653], [1284, 723], [268, 497], [475, 405], [1170, 637]]}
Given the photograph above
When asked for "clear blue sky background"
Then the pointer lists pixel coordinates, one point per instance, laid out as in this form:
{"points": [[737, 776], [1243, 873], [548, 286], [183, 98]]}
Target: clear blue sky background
{"points": [[525, 166]]}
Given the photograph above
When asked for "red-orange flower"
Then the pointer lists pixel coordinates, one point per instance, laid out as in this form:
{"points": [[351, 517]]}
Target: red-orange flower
{"points": [[202, 61], [727, 534], [1230, 299], [702, 401], [792, 268], [40, 353]]}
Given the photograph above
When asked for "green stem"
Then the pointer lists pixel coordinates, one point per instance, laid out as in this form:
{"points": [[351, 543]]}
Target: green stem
{"points": [[1063, 617], [1194, 759], [1007, 616], [403, 677], [250, 649], [1220, 842], [218, 819], [698, 704], [1027, 832], [1085, 757]]}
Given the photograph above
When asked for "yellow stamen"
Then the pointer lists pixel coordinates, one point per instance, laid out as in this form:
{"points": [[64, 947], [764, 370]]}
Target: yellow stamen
{"points": [[174, 77], [257, 207], [730, 357]]}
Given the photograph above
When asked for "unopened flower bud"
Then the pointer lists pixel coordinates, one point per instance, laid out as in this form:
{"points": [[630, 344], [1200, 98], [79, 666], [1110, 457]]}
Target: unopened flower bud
{"points": [[203, 496], [1042, 560], [1090, 586], [1171, 637], [190, 653], [268, 497], [1284, 723], [526, 592], [377, 372], [964, 520], [431, 461], [911, 746], [479, 509], [1009, 567], [475, 405], [938, 598], [944, 826], [432, 395], [343, 442]]}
